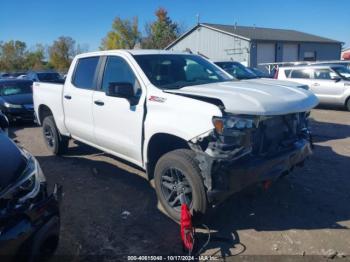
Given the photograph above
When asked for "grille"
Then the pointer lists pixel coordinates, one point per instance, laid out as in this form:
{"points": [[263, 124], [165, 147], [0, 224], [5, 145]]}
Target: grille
{"points": [[276, 134]]}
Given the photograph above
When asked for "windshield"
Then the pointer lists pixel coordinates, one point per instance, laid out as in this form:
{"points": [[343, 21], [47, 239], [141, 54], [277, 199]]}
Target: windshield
{"points": [[49, 77], [237, 70], [9, 89], [343, 71], [177, 71]]}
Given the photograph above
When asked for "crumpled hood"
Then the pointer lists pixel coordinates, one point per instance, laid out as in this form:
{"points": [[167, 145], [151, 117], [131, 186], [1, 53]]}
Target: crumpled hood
{"points": [[269, 81], [245, 97]]}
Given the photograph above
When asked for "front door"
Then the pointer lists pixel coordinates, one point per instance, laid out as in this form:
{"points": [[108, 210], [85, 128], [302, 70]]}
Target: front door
{"points": [[327, 89], [117, 124]]}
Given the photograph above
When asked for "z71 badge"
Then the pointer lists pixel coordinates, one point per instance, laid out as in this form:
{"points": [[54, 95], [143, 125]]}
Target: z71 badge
{"points": [[157, 99]]}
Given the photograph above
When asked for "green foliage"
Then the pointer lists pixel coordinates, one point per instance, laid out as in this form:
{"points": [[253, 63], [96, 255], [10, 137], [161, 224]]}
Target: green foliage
{"points": [[34, 59], [124, 35], [161, 32], [12, 55], [62, 52]]}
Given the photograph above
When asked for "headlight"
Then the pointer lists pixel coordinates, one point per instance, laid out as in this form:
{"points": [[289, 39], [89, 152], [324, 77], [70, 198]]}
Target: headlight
{"points": [[8, 105], [233, 123], [28, 185]]}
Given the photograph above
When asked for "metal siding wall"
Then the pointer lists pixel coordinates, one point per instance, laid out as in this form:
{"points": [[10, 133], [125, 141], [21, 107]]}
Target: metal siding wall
{"points": [[215, 45], [324, 51]]}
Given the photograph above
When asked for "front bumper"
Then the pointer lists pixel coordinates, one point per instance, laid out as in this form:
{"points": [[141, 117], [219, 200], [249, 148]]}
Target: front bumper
{"points": [[234, 176], [20, 230]]}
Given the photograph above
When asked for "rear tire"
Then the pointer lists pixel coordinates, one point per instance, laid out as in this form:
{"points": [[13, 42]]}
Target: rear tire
{"points": [[54, 141], [176, 173]]}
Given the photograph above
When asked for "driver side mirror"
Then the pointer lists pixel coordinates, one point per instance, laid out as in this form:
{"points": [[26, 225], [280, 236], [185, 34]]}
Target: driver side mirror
{"points": [[121, 89]]}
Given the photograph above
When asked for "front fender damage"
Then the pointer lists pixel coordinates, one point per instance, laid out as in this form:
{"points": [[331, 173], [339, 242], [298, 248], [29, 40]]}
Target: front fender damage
{"points": [[213, 152], [237, 158]]}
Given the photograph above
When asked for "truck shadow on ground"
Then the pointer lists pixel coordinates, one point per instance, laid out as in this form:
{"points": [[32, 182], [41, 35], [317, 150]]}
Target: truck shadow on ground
{"points": [[14, 127], [108, 212], [315, 197], [323, 131], [112, 211]]}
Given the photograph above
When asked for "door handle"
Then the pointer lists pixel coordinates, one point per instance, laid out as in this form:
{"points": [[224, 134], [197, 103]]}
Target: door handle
{"points": [[68, 97], [99, 103]]}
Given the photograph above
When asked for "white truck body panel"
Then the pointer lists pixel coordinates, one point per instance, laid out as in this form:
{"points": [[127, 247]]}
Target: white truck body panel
{"points": [[243, 97], [124, 130], [274, 82]]}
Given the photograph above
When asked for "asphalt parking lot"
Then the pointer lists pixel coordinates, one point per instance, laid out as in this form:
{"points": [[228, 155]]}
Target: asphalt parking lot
{"points": [[109, 209]]}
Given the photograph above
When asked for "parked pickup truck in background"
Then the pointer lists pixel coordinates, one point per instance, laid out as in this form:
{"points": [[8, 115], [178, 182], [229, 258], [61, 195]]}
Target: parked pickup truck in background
{"points": [[200, 134]]}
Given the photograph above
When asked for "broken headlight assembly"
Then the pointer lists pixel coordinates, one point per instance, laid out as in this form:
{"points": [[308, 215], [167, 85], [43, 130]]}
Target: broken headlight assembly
{"points": [[232, 136], [27, 186], [227, 125]]}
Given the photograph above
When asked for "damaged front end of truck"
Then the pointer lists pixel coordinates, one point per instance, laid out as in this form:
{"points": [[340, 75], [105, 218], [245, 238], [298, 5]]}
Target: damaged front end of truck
{"points": [[242, 150]]}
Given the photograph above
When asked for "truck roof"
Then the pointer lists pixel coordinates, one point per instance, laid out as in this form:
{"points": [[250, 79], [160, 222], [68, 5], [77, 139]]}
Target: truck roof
{"points": [[132, 52]]}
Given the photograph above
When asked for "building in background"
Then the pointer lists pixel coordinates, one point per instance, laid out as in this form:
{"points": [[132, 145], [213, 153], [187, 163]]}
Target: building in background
{"points": [[255, 45], [345, 54]]}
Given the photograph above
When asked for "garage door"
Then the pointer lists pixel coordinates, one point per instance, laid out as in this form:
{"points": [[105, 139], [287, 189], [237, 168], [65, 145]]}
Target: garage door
{"points": [[290, 52], [266, 53]]}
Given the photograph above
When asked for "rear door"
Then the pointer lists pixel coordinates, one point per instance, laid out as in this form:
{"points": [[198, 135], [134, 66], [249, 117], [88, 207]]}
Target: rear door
{"points": [[77, 99], [118, 125], [327, 89]]}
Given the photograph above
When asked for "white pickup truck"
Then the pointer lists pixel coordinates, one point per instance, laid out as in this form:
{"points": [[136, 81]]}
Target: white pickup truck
{"points": [[199, 133]]}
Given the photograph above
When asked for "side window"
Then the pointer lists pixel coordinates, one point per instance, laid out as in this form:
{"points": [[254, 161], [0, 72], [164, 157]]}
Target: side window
{"points": [[117, 70], [287, 72], [301, 73], [325, 74], [85, 71]]}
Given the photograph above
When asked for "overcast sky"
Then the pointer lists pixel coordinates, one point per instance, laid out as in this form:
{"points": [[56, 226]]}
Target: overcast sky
{"points": [[42, 21]]}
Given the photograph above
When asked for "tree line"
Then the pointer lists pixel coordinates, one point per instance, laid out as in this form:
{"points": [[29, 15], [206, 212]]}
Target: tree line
{"points": [[125, 34]]}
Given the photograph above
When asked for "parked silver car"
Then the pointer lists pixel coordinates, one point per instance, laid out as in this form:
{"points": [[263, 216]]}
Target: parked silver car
{"points": [[330, 83]]}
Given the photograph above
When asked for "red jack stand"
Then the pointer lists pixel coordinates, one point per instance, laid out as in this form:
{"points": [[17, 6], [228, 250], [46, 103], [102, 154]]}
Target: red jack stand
{"points": [[187, 230]]}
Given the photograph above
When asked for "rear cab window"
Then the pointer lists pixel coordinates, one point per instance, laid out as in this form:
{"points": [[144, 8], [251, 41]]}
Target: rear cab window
{"points": [[85, 72]]}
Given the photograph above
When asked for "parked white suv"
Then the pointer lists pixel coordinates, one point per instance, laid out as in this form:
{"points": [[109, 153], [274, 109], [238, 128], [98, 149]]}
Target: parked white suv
{"points": [[330, 83], [197, 132]]}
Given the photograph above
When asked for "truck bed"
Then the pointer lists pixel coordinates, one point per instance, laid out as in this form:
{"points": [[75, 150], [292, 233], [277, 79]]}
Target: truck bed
{"points": [[49, 94]]}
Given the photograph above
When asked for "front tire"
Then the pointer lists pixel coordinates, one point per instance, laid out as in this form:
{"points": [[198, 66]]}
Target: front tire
{"points": [[54, 141], [347, 104], [177, 173]]}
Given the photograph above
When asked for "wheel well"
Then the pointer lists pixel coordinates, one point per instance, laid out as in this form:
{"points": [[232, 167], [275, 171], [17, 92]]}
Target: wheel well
{"points": [[346, 100], [44, 111], [159, 145]]}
